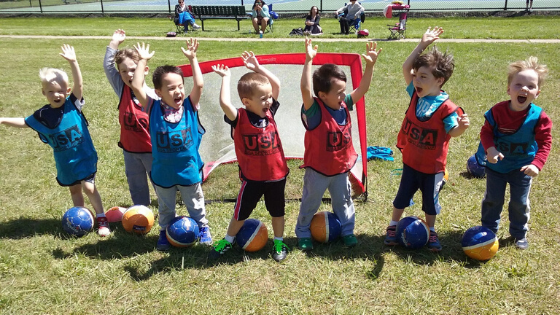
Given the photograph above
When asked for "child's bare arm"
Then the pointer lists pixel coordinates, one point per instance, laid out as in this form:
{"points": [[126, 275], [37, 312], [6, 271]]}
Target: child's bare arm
{"points": [[118, 37], [463, 123], [371, 57], [306, 84], [252, 63], [69, 54], [198, 81], [225, 97], [13, 122], [138, 79], [429, 37]]}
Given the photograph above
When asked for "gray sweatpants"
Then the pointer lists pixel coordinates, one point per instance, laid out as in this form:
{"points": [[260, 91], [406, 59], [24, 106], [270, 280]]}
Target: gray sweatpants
{"points": [[192, 197], [314, 187], [137, 166]]}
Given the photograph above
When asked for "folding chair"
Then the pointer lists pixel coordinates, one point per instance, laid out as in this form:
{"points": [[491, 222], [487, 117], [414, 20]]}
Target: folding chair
{"points": [[398, 30], [273, 16], [356, 25], [180, 26]]}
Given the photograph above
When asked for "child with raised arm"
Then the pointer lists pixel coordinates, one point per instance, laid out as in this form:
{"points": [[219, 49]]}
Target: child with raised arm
{"points": [[62, 125], [135, 134], [263, 167], [429, 123], [176, 133], [516, 140], [327, 163]]}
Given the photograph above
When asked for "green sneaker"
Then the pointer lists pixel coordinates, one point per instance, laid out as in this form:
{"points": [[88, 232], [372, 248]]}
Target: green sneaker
{"points": [[279, 251], [350, 240], [305, 243], [220, 249]]}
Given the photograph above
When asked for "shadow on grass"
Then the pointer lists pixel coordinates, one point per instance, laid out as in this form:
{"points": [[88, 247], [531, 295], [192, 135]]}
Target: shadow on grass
{"points": [[26, 227]]}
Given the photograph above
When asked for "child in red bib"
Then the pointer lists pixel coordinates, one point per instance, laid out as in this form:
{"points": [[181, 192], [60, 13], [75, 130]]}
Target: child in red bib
{"points": [[329, 153], [430, 122], [262, 165]]}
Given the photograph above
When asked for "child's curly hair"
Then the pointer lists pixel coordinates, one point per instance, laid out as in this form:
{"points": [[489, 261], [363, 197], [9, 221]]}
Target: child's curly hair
{"points": [[122, 54], [248, 82], [441, 64], [530, 63]]}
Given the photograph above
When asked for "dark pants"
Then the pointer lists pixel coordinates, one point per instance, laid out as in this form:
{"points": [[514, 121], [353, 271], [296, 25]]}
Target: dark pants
{"points": [[345, 25]]}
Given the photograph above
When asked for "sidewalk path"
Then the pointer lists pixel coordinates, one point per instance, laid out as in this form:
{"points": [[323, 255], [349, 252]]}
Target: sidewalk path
{"points": [[293, 39]]}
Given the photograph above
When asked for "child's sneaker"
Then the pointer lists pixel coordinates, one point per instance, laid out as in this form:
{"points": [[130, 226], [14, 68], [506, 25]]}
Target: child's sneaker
{"points": [[103, 227], [195, 26], [391, 236], [433, 242], [521, 243], [162, 242], [279, 250], [204, 236], [305, 243], [350, 240], [220, 249]]}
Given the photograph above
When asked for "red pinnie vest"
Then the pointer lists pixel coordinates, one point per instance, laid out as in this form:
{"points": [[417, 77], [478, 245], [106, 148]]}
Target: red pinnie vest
{"points": [[424, 144], [259, 150], [135, 134], [328, 147]]}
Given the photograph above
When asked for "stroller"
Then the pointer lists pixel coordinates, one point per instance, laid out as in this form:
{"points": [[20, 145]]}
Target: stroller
{"points": [[398, 30]]}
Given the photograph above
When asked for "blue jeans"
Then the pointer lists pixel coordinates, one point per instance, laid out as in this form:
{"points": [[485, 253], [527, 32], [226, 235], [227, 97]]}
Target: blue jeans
{"points": [[518, 208]]}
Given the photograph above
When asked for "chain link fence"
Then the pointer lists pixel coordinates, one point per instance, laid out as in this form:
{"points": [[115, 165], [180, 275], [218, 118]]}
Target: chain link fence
{"points": [[279, 6]]}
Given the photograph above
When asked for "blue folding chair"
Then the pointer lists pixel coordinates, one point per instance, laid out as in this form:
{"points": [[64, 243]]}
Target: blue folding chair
{"points": [[356, 24], [273, 16]]}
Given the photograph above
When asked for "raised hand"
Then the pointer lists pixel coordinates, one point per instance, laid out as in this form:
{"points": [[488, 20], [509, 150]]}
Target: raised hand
{"points": [[68, 52], [222, 70], [144, 51], [371, 53], [119, 36], [431, 35], [250, 60], [192, 47], [310, 51]]}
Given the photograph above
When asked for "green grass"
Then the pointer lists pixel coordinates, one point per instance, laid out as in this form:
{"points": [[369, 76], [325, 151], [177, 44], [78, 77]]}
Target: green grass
{"points": [[42, 271]]}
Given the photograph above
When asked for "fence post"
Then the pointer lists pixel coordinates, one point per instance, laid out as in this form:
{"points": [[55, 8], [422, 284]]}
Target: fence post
{"points": [[40, 6], [321, 5], [102, 9], [505, 6], [169, 5]]}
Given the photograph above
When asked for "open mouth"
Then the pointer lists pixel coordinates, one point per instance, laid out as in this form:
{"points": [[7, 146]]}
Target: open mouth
{"points": [[521, 99], [178, 101], [418, 90]]}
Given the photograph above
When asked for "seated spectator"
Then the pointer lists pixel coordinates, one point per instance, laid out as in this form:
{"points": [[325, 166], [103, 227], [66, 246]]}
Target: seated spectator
{"points": [[183, 16], [354, 10], [260, 15], [312, 22]]}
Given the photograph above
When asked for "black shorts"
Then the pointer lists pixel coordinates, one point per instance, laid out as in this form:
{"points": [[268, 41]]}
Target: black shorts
{"points": [[250, 194]]}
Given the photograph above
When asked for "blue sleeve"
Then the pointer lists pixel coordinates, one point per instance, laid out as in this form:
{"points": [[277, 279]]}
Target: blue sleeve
{"points": [[450, 122], [410, 89], [264, 11]]}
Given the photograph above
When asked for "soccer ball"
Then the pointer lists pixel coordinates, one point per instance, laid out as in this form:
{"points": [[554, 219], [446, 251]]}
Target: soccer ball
{"points": [[412, 232], [325, 227], [115, 214], [474, 168], [77, 221], [138, 219], [182, 232], [252, 236], [480, 243]]}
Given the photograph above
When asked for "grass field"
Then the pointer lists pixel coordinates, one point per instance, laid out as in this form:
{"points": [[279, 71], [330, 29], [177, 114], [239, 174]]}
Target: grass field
{"points": [[43, 271]]}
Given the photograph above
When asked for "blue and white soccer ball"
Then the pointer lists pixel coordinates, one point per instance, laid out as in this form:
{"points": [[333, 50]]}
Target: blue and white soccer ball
{"points": [[77, 221], [474, 168], [182, 232], [413, 232]]}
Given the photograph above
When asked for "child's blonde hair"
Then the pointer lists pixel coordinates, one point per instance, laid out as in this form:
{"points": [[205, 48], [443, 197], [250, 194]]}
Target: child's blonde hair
{"points": [[52, 74], [248, 82], [122, 54], [530, 63]]}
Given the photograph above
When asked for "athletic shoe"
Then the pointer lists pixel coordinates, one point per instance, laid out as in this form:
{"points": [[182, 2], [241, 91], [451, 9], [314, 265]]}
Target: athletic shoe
{"points": [[204, 236], [521, 243], [279, 250], [162, 242], [350, 240], [220, 249], [195, 26], [433, 242], [391, 236], [103, 227], [305, 243]]}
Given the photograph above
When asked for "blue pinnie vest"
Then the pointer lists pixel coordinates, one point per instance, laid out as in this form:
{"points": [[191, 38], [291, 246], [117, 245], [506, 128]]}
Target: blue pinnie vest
{"points": [[175, 147], [519, 148], [74, 154]]}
